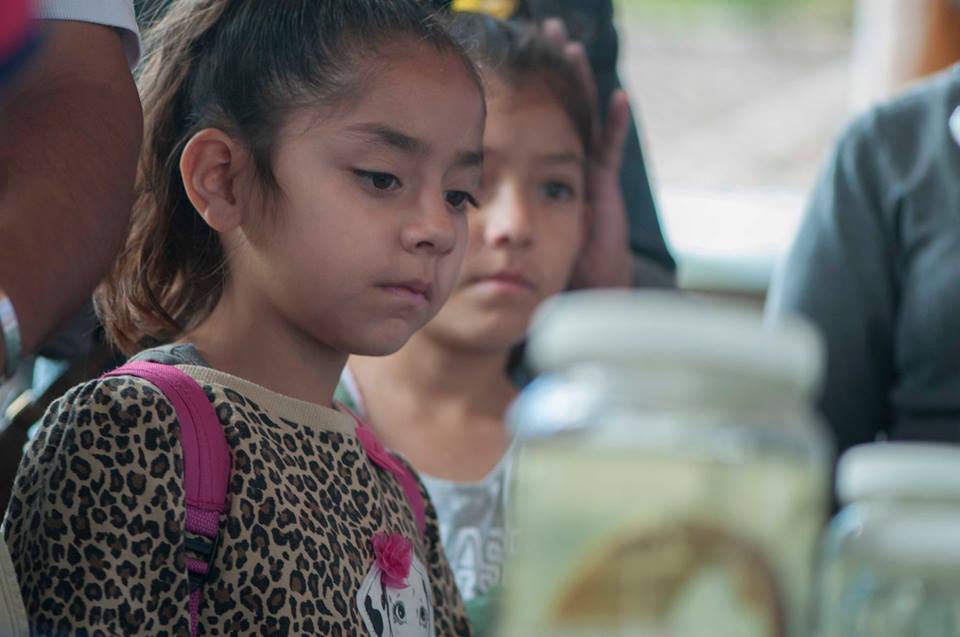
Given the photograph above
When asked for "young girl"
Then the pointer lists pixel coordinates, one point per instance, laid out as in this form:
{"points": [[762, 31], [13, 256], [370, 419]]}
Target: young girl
{"points": [[449, 386], [305, 178]]}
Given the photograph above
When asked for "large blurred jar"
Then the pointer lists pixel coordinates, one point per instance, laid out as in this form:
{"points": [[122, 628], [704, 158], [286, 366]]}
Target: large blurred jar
{"points": [[891, 559], [673, 478]]}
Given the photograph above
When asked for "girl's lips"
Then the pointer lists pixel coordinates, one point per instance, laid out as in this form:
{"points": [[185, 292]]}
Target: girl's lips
{"points": [[415, 290], [506, 281]]}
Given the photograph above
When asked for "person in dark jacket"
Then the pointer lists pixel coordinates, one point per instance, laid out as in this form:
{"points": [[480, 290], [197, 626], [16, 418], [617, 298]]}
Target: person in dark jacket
{"points": [[876, 266]]}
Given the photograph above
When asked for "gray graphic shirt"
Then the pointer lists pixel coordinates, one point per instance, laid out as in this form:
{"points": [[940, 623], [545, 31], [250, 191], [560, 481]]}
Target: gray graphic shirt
{"points": [[472, 515]]}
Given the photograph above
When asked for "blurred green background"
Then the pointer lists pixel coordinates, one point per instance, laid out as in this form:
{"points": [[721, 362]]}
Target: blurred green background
{"points": [[749, 9]]}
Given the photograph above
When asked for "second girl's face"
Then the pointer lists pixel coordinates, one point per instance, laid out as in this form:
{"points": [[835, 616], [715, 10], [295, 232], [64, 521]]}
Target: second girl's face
{"points": [[528, 232], [365, 241]]}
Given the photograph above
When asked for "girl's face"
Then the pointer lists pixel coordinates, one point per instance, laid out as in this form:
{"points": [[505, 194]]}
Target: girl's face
{"points": [[526, 236], [364, 243]]}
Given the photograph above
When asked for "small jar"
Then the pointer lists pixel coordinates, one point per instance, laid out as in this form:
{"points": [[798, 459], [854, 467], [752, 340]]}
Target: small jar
{"points": [[672, 478], [890, 562]]}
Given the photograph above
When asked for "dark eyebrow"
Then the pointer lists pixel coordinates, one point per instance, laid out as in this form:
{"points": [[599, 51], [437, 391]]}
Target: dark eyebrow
{"points": [[392, 137], [411, 145], [468, 159]]}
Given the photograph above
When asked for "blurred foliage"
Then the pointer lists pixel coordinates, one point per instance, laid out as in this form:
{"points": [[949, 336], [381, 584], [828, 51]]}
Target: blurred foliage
{"points": [[834, 11]]}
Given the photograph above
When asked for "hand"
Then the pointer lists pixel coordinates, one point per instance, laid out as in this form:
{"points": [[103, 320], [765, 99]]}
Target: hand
{"points": [[606, 260]]}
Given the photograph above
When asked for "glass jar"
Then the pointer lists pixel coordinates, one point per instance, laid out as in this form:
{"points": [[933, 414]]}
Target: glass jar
{"points": [[890, 562], [672, 478]]}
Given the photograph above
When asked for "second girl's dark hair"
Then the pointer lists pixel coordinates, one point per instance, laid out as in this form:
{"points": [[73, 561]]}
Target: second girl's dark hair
{"points": [[517, 53]]}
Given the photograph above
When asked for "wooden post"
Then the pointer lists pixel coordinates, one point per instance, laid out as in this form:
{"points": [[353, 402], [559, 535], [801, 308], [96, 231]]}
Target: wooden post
{"points": [[898, 41], [941, 47]]}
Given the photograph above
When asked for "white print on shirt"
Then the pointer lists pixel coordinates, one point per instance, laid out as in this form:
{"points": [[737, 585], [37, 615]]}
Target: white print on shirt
{"points": [[397, 612], [476, 557]]}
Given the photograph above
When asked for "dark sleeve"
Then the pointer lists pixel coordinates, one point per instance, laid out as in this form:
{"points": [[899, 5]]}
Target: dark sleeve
{"points": [[94, 523], [592, 22], [841, 274]]}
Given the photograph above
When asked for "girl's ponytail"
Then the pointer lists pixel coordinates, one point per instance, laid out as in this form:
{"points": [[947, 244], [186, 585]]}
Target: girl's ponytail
{"points": [[171, 267]]}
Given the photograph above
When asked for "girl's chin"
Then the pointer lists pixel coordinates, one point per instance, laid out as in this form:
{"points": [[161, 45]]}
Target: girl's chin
{"points": [[379, 347], [381, 340], [488, 336]]}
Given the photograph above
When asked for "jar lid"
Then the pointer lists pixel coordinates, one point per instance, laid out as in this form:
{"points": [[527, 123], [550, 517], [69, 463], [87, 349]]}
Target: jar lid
{"points": [[660, 330], [904, 469]]}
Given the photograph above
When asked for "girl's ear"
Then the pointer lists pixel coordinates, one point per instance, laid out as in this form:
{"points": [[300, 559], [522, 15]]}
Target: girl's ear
{"points": [[213, 168]]}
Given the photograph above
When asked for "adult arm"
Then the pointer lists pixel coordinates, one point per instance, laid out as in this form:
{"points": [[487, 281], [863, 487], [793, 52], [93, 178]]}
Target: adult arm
{"points": [[69, 139], [625, 246], [653, 265], [841, 274]]}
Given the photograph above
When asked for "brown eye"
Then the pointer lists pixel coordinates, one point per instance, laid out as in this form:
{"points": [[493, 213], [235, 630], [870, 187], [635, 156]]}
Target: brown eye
{"points": [[378, 181], [557, 191], [459, 200]]}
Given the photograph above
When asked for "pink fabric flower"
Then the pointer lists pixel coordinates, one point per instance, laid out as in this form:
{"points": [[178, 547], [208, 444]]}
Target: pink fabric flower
{"points": [[393, 553]]}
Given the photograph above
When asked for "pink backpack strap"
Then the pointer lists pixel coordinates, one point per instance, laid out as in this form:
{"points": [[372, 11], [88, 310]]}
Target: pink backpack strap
{"points": [[389, 462], [206, 467]]}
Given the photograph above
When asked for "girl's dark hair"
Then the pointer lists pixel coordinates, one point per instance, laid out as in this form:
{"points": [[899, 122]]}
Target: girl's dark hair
{"points": [[516, 53], [241, 66]]}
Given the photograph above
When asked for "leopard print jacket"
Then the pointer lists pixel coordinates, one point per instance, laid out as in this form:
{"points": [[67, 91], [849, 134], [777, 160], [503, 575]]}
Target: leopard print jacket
{"points": [[96, 522]]}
